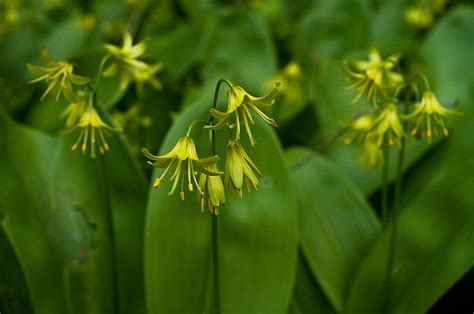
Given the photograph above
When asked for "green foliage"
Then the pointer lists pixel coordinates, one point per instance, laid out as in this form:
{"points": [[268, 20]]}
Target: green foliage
{"points": [[91, 235]]}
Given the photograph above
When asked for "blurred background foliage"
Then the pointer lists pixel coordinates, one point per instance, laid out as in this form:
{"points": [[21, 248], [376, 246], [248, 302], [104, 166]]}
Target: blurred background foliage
{"points": [[310, 240]]}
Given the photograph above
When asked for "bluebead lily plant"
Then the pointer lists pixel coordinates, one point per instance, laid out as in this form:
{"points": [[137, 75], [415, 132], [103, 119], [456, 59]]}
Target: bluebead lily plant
{"points": [[394, 105]]}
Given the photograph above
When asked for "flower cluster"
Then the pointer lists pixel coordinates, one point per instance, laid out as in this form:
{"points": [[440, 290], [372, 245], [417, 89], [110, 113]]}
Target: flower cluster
{"points": [[422, 13], [388, 91], [128, 65], [81, 114], [240, 170]]}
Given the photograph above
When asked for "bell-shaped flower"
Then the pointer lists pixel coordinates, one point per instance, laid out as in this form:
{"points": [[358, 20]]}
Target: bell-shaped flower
{"points": [[92, 129], [239, 105], [240, 169], [187, 162], [213, 192], [428, 117], [59, 77], [375, 78]]}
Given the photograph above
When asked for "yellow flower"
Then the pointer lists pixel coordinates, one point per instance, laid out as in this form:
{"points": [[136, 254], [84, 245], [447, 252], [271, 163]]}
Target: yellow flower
{"points": [[371, 155], [291, 77], [213, 191], [419, 17], [147, 75], [75, 109], [90, 124], [374, 78], [358, 128], [128, 65], [239, 104], [428, 116], [239, 168], [387, 127], [59, 77], [187, 164]]}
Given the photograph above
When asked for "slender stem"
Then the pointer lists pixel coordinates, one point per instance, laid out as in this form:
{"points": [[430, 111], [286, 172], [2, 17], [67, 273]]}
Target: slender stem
{"points": [[385, 168], [215, 246], [394, 217], [215, 265], [99, 71], [109, 220]]}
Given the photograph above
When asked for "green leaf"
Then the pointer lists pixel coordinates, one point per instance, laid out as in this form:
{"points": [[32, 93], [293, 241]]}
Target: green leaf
{"points": [[240, 49], [307, 295], [56, 222], [433, 248], [337, 225], [256, 234], [14, 297]]}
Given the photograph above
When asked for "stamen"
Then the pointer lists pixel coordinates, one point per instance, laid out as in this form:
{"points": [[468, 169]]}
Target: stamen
{"points": [[175, 177], [156, 183], [237, 126], [181, 194], [84, 142], [190, 185], [247, 128]]}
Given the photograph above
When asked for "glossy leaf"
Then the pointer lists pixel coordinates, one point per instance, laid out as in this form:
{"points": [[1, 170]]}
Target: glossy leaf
{"points": [[429, 257], [337, 225]]}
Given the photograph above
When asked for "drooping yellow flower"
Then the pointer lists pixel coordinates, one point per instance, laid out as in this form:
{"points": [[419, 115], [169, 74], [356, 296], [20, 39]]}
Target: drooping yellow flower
{"points": [[359, 128], [92, 129], [291, 78], [75, 109], [59, 77], [187, 162], [371, 154], [127, 64], [375, 78], [212, 191], [387, 127], [428, 117], [239, 104], [239, 168]]}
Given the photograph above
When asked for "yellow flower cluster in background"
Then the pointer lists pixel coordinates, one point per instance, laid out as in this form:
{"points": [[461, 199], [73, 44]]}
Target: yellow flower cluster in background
{"points": [[388, 92], [128, 65], [422, 13], [81, 113]]}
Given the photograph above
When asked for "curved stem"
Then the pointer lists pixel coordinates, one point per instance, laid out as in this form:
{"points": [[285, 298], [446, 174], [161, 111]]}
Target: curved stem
{"points": [[215, 245], [99, 71], [192, 124]]}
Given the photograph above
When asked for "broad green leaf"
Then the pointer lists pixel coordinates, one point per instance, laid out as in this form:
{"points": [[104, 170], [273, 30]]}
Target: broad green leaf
{"points": [[256, 234], [448, 58], [307, 295], [179, 49], [337, 225], [240, 49], [14, 297], [433, 248], [30, 223], [56, 222]]}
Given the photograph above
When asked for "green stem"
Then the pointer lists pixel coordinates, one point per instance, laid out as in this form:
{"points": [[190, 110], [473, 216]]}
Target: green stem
{"points": [[394, 218], [215, 265], [385, 186], [109, 226], [215, 246], [99, 71]]}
